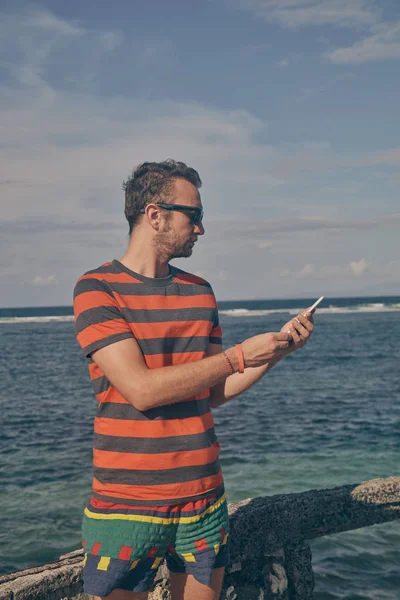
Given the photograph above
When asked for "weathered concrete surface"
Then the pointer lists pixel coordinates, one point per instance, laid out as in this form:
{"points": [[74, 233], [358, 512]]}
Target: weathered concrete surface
{"points": [[299, 572], [61, 580], [56, 580], [267, 524], [270, 559]]}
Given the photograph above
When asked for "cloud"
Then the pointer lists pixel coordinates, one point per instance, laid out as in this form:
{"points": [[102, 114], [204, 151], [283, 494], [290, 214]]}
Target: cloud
{"points": [[383, 43], [258, 229], [39, 280], [301, 13], [35, 40], [344, 271], [392, 267], [358, 267], [283, 63], [49, 126], [219, 228], [72, 149], [264, 245], [395, 179], [66, 149], [306, 271], [339, 271], [390, 158], [38, 226], [307, 160], [322, 159], [46, 21], [108, 144]]}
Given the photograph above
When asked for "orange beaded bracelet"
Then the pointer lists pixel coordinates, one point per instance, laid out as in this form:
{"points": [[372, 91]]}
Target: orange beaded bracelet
{"points": [[229, 362]]}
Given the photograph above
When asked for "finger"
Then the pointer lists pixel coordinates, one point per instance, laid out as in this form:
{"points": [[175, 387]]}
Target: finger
{"points": [[301, 330], [283, 336], [295, 335], [283, 345], [305, 322], [309, 315]]}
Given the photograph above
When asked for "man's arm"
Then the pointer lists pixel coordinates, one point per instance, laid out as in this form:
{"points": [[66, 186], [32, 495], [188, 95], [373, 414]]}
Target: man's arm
{"points": [[124, 366], [300, 329]]}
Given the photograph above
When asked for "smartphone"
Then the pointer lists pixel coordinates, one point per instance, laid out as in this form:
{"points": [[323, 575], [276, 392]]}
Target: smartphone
{"points": [[314, 306]]}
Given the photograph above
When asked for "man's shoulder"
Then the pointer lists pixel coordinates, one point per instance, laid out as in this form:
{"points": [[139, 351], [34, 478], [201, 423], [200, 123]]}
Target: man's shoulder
{"points": [[184, 277], [100, 272], [96, 279]]}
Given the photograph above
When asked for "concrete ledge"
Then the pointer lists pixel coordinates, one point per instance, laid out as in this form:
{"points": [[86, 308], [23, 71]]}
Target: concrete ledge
{"points": [[266, 524], [270, 556]]}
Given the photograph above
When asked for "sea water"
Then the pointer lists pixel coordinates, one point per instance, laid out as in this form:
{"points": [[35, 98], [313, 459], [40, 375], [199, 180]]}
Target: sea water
{"points": [[326, 416]]}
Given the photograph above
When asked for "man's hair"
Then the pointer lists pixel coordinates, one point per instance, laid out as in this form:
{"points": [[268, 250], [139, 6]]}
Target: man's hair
{"points": [[152, 181]]}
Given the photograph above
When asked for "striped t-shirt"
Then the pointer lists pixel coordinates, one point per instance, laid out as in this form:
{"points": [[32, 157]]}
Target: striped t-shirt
{"points": [[166, 454]]}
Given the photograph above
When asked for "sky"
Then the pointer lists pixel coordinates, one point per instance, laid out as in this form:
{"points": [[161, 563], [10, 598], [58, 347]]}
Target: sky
{"points": [[288, 109]]}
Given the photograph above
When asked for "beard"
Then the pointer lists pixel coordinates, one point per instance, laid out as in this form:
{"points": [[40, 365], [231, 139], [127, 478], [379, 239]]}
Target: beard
{"points": [[181, 251], [169, 245], [185, 252]]}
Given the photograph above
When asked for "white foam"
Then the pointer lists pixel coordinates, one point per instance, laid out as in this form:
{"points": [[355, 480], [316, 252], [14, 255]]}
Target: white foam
{"points": [[245, 312], [237, 312], [364, 308], [49, 319]]}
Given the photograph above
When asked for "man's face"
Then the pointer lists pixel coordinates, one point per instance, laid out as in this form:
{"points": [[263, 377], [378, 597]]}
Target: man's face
{"points": [[179, 234]]}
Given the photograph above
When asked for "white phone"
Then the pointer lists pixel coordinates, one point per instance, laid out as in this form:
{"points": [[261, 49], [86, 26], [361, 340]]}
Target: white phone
{"points": [[314, 306]]}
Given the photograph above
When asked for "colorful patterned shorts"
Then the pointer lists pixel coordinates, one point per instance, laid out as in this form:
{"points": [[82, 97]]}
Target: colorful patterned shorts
{"points": [[124, 545]]}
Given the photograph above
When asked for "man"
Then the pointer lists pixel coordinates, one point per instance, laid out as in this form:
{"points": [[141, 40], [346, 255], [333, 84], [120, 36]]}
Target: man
{"points": [[152, 338]]}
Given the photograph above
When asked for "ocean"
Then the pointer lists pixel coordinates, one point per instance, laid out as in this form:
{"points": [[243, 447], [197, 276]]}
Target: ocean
{"points": [[326, 416]]}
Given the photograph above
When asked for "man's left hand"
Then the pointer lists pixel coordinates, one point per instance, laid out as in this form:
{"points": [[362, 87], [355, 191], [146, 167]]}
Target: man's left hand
{"points": [[300, 328]]}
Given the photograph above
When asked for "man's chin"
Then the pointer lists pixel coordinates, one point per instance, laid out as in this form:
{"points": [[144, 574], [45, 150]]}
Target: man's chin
{"points": [[183, 253]]}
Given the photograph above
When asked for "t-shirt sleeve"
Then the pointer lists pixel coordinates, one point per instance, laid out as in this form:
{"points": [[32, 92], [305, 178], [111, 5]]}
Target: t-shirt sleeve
{"points": [[98, 318], [216, 331]]}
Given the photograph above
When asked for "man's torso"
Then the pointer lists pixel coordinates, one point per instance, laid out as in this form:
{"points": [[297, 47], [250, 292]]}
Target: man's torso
{"points": [[169, 453]]}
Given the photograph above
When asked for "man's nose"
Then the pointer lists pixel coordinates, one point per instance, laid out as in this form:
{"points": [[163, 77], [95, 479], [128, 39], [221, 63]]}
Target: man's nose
{"points": [[199, 229]]}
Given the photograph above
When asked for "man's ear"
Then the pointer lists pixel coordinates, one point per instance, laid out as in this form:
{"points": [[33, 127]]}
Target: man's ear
{"points": [[153, 214]]}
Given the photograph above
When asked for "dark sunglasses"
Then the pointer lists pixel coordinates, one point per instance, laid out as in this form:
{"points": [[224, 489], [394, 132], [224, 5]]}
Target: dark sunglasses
{"points": [[195, 215]]}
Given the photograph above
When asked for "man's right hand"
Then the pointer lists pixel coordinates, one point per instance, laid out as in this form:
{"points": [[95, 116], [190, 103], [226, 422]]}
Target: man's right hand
{"points": [[265, 348]]}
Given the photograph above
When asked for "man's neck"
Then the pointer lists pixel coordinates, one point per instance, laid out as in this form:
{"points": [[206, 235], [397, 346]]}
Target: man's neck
{"points": [[142, 259]]}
